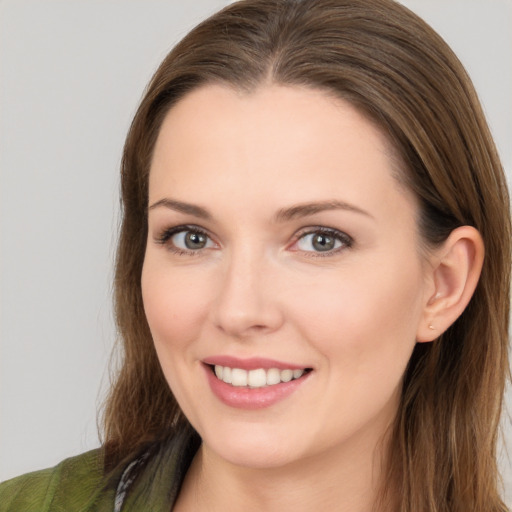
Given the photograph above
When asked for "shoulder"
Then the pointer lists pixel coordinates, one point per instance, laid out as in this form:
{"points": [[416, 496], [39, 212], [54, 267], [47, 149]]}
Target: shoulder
{"points": [[71, 485]]}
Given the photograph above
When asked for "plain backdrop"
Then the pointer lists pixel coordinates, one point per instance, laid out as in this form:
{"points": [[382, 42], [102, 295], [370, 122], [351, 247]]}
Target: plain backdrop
{"points": [[71, 75]]}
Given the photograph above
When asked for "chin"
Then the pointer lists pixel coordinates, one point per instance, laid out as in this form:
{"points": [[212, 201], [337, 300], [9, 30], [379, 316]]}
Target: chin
{"points": [[256, 457], [254, 448]]}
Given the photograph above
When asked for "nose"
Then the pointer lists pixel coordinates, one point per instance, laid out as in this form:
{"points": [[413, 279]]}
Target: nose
{"points": [[246, 304]]}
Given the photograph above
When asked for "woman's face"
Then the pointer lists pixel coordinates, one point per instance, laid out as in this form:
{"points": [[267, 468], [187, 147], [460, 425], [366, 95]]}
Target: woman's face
{"points": [[280, 239]]}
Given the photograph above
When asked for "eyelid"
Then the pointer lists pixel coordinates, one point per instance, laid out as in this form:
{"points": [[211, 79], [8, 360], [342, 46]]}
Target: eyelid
{"points": [[163, 237], [346, 240]]}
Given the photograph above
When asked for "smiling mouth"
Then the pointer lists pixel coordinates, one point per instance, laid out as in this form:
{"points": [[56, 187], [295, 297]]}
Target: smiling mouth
{"points": [[258, 378]]}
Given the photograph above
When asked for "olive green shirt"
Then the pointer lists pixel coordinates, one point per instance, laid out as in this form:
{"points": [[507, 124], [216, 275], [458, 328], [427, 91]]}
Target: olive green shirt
{"points": [[79, 484]]}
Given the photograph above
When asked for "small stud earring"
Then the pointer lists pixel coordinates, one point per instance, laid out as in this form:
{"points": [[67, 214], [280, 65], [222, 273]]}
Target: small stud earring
{"points": [[431, 327]]}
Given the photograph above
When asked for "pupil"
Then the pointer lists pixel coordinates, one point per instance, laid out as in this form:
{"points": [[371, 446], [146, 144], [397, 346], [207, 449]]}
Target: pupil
{"points": [[195, 240], [323, 242]]}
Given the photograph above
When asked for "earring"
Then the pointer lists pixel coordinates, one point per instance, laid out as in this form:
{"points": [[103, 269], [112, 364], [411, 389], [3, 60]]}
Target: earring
{"points": [[431, 327]]}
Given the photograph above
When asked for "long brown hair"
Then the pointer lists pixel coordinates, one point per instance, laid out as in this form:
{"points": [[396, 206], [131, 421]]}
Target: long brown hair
{"points": [[394, 68]]}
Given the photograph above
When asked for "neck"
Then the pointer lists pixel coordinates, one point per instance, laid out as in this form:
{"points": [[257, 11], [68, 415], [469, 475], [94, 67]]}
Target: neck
{"points": [[345, 480]]}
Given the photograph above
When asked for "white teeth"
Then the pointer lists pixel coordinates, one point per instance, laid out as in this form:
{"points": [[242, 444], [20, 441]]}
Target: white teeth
{"points": [[297, 373], [238, 377], [286, 375], [226, 374], [255, 378], [273, 376]]}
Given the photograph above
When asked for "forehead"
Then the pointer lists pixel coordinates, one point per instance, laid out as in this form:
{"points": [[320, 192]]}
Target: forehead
{"points": [[266, 107], [293, 142]]}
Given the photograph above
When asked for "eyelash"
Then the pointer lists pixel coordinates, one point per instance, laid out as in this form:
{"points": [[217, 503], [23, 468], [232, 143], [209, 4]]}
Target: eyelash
{"points": [[167, 234], [346, 240]]}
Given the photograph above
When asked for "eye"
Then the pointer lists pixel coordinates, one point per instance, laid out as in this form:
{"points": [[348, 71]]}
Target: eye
{"points": [[323, 241], [185, 239], [192, 240]]}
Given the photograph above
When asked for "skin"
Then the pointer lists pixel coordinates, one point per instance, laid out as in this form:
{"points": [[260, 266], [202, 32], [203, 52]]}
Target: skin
{"points": [[259, 288]]}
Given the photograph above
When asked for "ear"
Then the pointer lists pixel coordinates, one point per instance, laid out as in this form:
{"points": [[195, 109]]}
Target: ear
{"points": [[454, 273]]}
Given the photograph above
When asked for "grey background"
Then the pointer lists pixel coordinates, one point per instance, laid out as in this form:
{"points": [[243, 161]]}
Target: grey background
{"points": [[71, 75]]}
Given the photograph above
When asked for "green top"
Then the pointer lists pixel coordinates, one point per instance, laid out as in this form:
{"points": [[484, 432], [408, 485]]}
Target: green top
{"points": [[73, 485], [78, 484]]}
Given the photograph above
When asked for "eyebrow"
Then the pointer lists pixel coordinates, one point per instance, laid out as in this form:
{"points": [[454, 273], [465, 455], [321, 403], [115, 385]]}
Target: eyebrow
{"points": [[179, 206], [303, 210], [283, 215]]}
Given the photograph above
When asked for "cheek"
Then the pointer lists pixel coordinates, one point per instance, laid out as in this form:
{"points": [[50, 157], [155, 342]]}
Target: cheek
{"points": [[364, 320], [175, 304]]}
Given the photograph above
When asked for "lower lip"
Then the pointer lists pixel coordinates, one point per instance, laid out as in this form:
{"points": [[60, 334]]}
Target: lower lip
{"points": [[252, 398]]}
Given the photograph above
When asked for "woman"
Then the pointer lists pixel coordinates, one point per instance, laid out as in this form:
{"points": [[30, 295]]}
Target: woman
{"points": [[312, 279]]}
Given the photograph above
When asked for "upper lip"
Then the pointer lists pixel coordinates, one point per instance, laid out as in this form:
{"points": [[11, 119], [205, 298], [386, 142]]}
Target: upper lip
{"points": [[252, 363]]}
